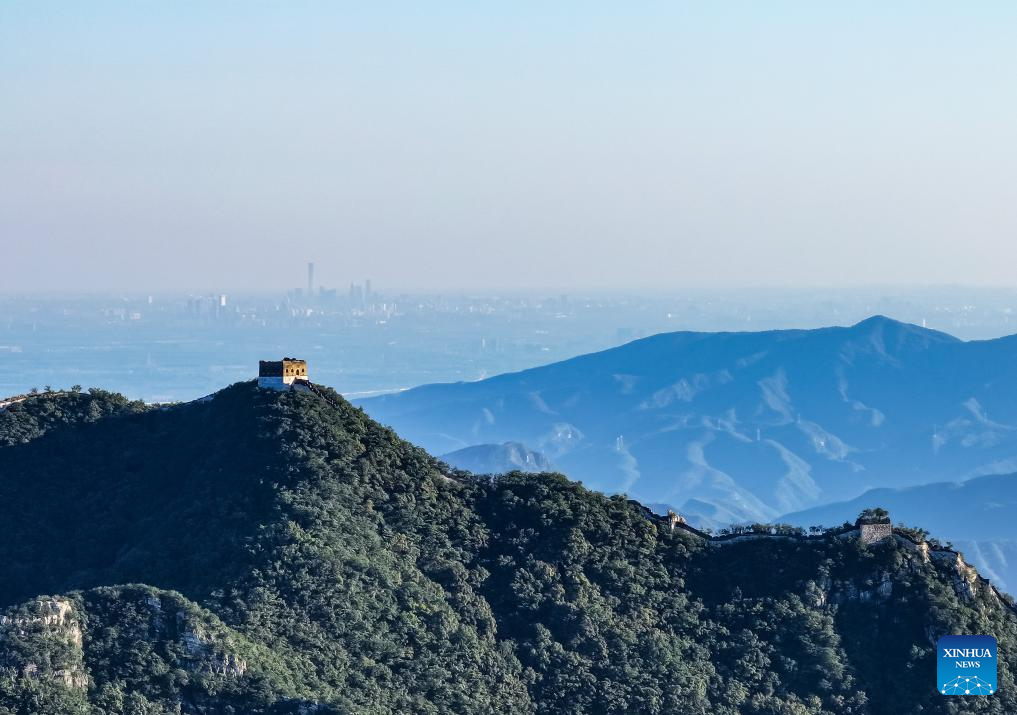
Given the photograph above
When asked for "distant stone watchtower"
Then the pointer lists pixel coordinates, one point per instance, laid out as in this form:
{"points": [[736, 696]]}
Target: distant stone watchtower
{"points": [[674, 519], [282, 374], [874, 527]]}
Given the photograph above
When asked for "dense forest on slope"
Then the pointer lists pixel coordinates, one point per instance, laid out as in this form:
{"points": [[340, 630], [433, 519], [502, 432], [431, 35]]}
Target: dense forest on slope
{"points": [[265, 552], [36, 414]]}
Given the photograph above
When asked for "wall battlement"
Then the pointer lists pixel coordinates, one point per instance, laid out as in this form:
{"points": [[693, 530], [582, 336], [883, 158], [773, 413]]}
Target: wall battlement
{"points": [[872, 533]]}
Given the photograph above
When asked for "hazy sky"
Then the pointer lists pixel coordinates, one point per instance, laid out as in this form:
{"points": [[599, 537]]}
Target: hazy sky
{"points": [[221, 145]]}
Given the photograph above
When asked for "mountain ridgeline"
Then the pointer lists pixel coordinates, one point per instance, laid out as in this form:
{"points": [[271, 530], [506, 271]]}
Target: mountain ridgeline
{"points": [[736, 427], [277, 552], [498, 459]]}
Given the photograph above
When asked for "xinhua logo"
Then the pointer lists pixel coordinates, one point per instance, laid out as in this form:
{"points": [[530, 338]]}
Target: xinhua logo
{"points": [[966, 665]]}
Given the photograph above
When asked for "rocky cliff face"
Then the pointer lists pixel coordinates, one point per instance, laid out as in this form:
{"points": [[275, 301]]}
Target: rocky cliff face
{"points": [[58, 640], [43, 640], [914, 559]]}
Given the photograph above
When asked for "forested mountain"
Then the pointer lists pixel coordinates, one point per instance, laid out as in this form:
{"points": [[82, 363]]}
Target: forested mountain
{"points": [[266, 552], [734, 427]]}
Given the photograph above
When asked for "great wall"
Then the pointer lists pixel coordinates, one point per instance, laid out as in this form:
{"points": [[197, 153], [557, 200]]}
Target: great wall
{"points": [[868, 533], [8, 401], [291, 374]]}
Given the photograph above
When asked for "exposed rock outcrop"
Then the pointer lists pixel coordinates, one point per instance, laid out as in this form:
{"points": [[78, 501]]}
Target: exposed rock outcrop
{"points": [[47, 627]]}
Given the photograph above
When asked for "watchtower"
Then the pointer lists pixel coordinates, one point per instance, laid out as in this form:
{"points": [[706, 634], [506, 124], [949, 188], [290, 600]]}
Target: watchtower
{"points": [[281, 374], [874, 528], [674, 519]]}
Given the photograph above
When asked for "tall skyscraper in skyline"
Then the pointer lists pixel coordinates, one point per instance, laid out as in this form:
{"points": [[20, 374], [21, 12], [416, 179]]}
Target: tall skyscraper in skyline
{"points": [[310, 279], [356, 296]]}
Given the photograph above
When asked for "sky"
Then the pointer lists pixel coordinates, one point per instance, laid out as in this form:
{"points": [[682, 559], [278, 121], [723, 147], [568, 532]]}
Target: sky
{"points": [[528, 145]]}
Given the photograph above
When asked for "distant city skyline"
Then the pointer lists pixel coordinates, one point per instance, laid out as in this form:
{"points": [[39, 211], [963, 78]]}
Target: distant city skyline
{"points": [[194, 146]]}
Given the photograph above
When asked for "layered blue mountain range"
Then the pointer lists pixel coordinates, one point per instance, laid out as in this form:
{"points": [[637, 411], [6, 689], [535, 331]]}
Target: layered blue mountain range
{"points": [[735, 427]]}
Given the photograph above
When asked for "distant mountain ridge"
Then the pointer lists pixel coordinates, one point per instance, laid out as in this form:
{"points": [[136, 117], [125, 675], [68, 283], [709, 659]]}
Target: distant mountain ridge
{"points": [[744, 426], [498, 459]]}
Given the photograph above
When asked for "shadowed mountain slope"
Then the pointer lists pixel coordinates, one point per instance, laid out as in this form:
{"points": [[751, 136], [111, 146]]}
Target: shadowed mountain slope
{"points": [[266, 552]]}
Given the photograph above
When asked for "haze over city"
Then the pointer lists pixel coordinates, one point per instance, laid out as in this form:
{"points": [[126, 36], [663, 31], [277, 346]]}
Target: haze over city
{"points": [[218, 146], [521, 358]]}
